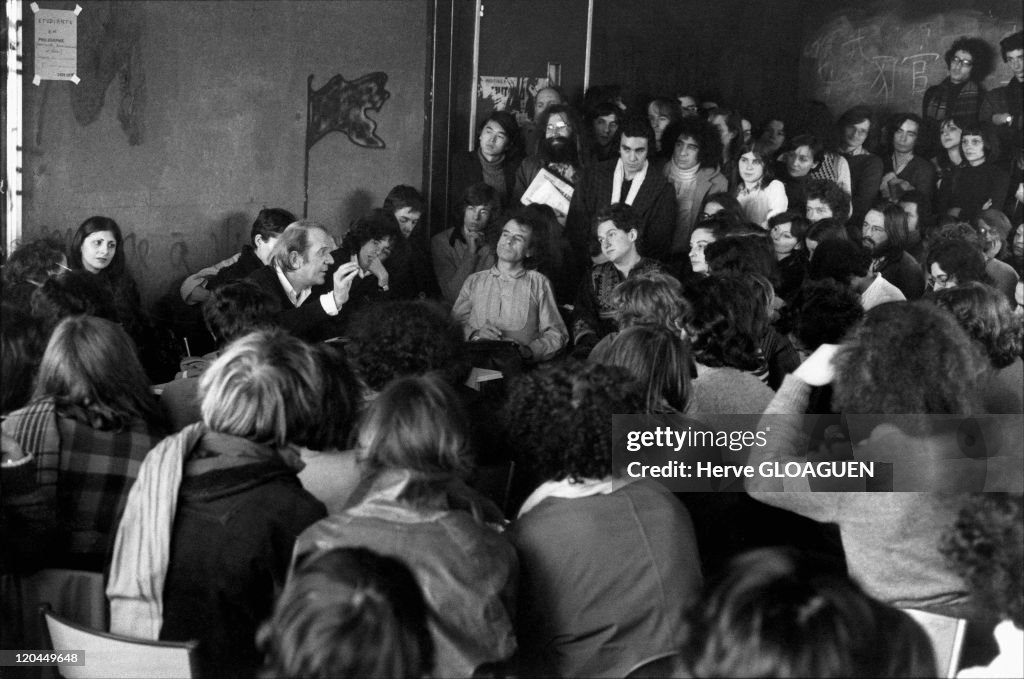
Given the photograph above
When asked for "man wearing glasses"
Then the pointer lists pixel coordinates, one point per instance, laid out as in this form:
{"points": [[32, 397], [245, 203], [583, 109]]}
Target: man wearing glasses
{"points": [[559, 150], [960, 94]]}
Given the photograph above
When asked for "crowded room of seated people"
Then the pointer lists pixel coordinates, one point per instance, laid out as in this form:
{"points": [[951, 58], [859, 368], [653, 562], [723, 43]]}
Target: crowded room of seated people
{"points": [[387, 448]]}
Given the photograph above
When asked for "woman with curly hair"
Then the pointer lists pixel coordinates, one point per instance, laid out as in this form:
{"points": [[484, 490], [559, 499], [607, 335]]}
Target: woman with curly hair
{"points": [[724, 328], [31, 265], [986, 316], [906, 359], [609, 562], [986, 547]]}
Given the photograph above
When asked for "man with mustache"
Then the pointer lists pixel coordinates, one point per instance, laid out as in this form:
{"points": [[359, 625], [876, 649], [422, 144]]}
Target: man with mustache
{"points": [[558, 151], [885, 235]]}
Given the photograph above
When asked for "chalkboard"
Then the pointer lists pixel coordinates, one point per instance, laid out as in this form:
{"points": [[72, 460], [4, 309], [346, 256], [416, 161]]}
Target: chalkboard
{"points": [[887, 60]]}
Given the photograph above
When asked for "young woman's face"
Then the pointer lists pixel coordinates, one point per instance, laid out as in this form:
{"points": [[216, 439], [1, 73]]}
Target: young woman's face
{"points": [[751, 168], [699, 240], [800, 161], [973, 148], [783, 239], [949, 136], [774, 134], [98, 250]]}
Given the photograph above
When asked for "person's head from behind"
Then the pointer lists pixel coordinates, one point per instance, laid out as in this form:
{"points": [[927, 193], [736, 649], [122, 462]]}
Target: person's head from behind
{"points": [[652, 298], [34, 262], [348, 613], [499, 136], [238, 308], [396, 339], [90, 363], [823, 230], [560, 416], [986, 548], [821, 312], [987, 317], [787, 231], [906, 358], [303, 253], [658, 360], [98, 245], [340, 399], [636, 144], [77, 292], [692, 142], [416, 423], [723, 322], [477, 206], [21, 348], [265, 388], [267, 228], [618, 230], [372, 238], [776, 613], [826, 199], [954, 261], [884, 229], [742, 255], [840, 260]]}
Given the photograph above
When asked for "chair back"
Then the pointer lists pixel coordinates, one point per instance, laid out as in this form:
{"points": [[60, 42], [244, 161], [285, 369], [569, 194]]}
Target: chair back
{"points": [[947, 637], [112, 655]]}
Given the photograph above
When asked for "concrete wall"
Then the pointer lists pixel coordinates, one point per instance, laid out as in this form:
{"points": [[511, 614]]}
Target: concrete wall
{"points": [[218, 93]]}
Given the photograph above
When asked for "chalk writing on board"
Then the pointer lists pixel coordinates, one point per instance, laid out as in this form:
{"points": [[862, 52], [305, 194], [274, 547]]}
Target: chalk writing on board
{"points": [[885, 60]]}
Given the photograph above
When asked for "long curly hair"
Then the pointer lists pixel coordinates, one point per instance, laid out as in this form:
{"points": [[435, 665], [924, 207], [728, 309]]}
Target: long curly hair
{"points": [[985, 314], [986, 548], [561, 418], [723, 323], [907, 358]]}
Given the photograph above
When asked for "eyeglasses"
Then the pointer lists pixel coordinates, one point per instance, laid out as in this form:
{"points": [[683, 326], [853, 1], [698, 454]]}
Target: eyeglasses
{"points": [[938, 280], [961, 62], [557, 127]]}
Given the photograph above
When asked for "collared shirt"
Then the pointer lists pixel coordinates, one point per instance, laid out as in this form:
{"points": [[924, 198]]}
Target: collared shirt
{"points": [[297, 298], [521, 305]]}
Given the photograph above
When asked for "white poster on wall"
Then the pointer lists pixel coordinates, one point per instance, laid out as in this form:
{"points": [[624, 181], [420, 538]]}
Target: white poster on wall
{"points": [[56, 48]]}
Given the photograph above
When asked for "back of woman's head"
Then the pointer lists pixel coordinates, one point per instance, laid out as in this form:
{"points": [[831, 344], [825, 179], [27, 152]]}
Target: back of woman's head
{"points": [[820, 312], [347, 614], [985, 314], [659, 360], [418, 423], [340, 400], [90, 363], [723, 322], [74, 293], [34, 261], [264, 387], [775, 614], [561, 417], [21, 348], [907, 358], [653, 298]]}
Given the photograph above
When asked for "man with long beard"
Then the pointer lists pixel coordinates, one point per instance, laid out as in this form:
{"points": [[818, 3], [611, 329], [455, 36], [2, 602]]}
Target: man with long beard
{"points": [[558, 151]]}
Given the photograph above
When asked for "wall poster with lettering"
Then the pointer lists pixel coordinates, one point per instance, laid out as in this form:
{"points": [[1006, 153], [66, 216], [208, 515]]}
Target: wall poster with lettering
{"points": [[508, 93], [56, 48]]}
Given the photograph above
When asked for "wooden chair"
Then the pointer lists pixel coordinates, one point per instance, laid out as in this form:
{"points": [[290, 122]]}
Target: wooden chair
{"points": [[112, 655], [947, 637]]}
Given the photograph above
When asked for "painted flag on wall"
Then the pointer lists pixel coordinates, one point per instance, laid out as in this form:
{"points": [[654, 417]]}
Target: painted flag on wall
{"points": [[341, 105]]}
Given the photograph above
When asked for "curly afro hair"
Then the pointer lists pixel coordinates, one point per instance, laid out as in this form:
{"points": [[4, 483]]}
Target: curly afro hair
{"points": [[986, 548], [907, 358], [561, 418], [985, 314], [406, 338]]}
